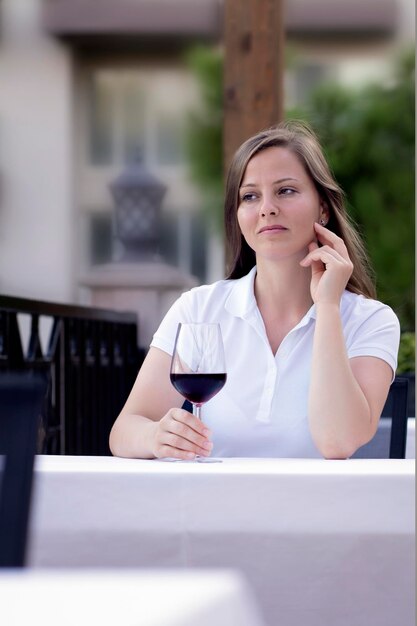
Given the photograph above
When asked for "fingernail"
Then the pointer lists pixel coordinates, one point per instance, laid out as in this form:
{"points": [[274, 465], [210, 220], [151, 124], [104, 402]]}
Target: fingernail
{"points": [[207, 445], [206, 432], [190, 455]]}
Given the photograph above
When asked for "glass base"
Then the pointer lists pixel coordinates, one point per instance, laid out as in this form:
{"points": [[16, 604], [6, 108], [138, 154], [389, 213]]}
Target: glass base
{"points": [[198, 459]]}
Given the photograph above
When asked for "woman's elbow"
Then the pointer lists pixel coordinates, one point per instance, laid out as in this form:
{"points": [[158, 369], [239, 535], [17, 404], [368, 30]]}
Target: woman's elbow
{"points": [[335, 452], [342, 442], [113, 441], [116, 438], [332, 449]]}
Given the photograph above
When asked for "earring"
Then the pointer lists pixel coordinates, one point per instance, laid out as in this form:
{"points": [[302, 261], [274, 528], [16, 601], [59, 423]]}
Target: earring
{"points": [[323, 222]]}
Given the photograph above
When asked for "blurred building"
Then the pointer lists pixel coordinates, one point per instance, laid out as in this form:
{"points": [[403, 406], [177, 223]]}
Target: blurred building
{"points": [[86, 83], [352, 42]]}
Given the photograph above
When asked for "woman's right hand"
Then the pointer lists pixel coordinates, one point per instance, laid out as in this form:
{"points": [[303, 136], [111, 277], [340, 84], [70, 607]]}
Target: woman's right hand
{"points": [[180, 435]]}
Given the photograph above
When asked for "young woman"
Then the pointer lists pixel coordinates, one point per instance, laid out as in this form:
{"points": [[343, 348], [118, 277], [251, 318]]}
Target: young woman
{"points": [[310, 353]]}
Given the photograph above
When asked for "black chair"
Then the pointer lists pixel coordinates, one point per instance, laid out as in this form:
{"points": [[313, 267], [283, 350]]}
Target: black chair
{"points": [[391, 437], [21, 399]]}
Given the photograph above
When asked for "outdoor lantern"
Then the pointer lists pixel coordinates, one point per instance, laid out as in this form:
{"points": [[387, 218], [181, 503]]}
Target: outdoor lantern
{"points": [[138, 197]]}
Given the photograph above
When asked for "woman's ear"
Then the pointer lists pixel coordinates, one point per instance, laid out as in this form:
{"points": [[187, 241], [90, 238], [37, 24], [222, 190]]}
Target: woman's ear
{"points": [[324, 212]]}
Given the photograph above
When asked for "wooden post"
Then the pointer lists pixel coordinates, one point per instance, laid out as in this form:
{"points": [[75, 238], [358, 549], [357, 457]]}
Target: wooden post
{"points": [[253, 71]]}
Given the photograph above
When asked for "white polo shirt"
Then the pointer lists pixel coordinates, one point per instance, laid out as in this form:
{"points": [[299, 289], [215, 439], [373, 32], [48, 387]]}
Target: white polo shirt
{"points": [[262, 409]]}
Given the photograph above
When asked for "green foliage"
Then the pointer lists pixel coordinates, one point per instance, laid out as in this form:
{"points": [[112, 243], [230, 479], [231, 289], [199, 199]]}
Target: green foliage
{"points": [[406, 353], [204, 138], [369, 140]]}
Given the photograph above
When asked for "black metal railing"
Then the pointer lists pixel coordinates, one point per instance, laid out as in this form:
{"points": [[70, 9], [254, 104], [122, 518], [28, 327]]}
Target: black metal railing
{"points": [[90, 362]]}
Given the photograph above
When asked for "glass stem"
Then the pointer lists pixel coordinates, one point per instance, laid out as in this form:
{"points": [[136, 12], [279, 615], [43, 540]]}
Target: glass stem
{"points": [[197, 410]]}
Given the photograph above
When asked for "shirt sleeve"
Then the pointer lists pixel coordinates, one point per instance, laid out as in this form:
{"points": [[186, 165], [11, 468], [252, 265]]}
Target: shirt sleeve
{"points": [[377, 335], [180, 312]]}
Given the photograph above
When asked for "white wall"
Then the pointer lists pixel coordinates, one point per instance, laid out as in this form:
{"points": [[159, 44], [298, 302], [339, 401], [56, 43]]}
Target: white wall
{"points": [[406, 20], [36, 209]]}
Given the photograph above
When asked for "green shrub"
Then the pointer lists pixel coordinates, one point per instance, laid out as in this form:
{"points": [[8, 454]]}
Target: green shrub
{"points": [[406, 353], [204, 136], [368, 136]]}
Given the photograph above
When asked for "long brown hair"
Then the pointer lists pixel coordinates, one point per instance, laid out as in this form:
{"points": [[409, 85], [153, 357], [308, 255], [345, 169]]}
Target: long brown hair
{"points": [[302, 141]]}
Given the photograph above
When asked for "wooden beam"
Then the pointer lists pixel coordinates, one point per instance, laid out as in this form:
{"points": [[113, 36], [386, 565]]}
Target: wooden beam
{"points": [[253, 72]]}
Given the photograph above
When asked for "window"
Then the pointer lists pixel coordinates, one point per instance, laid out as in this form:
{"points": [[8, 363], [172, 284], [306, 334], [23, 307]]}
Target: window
{"points": [[141, 110], [307, 77], [135, 111]]}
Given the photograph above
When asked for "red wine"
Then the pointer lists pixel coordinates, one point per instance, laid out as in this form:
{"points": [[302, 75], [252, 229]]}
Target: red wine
{"points": [[198, 388]]}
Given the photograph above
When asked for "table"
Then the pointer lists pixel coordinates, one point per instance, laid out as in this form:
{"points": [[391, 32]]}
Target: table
{"points": [[320, 542], [125, 598]]}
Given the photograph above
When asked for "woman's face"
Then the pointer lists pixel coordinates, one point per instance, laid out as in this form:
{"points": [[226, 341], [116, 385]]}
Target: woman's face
{"points": [[278, 205]]}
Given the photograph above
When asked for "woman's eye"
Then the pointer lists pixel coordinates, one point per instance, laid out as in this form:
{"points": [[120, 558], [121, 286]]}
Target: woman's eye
{"points": [[248, 197], [286, 191]]}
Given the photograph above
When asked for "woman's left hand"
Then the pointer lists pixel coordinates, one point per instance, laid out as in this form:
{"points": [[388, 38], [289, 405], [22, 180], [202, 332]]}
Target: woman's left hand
{"points": [[330, 265]]}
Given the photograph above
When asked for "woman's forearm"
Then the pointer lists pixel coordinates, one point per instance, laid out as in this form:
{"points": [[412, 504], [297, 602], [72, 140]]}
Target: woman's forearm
{"points": [[339, 414], [131, 436]]}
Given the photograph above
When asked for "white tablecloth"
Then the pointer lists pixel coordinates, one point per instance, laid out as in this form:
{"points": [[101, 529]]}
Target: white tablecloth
{"points": [[320, 542], [125, 598]]}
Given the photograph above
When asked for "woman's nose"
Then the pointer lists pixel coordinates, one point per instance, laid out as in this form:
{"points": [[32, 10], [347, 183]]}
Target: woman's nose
{"points": [[268, 207]]}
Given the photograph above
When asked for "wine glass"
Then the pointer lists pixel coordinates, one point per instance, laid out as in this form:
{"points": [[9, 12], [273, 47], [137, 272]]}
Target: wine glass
{"points": [[198, 369]]}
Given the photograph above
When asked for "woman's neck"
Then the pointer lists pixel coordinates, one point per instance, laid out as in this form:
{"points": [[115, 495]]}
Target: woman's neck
{"points": [[282, 292], [283, 287]]}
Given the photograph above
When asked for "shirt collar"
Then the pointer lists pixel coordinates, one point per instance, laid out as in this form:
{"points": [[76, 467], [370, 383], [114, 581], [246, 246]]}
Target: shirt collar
{"points": [[241, 300]]}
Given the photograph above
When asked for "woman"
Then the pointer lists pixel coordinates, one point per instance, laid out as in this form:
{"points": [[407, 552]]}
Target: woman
{"points": [[310, 354]]}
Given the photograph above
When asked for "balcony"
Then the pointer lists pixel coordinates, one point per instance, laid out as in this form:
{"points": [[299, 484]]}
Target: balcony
{"points": [[202, 19], [123, 19], [90, 362]]}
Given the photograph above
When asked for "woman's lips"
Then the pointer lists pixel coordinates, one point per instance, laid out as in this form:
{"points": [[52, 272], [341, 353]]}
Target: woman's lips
{"points": [[272, 228]]}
